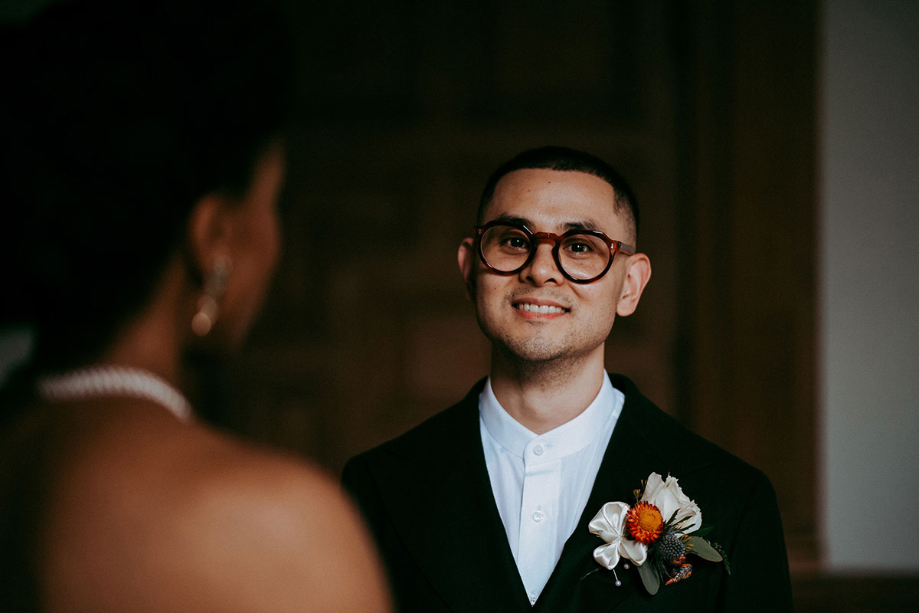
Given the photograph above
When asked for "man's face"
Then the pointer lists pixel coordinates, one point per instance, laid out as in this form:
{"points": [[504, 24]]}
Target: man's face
{"points": [[580, 316]]}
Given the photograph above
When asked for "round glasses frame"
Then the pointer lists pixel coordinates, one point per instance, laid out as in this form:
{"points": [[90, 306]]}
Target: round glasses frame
{"points": [[556, 240]]}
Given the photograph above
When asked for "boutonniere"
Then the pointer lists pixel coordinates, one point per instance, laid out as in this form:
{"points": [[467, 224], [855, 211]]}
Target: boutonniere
{"points": [[654, 534]]}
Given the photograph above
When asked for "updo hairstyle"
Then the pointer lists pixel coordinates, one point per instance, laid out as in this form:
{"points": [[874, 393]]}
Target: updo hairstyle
{"points": [[118, 117]]}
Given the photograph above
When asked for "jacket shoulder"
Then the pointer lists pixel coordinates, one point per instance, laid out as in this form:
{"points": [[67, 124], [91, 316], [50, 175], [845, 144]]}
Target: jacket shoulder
{"points": [[672, 439], [435, 437]]}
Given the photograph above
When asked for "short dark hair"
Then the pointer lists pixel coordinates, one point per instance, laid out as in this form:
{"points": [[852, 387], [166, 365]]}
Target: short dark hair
{"points": [[554, 157], [117, 118]]}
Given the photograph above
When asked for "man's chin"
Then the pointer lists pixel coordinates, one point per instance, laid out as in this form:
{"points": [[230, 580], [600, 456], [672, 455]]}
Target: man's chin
{"points": [[532, 350]]}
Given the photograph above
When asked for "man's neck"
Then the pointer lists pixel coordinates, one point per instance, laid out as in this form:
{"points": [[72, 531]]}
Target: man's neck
{"points": [[543, 396]]}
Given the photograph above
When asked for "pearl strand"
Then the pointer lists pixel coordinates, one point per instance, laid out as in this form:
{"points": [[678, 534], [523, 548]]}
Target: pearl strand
{"points": [[108, 381]]}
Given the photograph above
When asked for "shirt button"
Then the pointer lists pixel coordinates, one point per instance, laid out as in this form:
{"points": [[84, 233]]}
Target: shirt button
{"points": [[538, 515], [532, 599], [538, 450]]}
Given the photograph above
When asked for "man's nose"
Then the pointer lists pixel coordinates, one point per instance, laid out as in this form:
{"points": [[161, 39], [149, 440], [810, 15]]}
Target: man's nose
{"points": [[542, 268]]}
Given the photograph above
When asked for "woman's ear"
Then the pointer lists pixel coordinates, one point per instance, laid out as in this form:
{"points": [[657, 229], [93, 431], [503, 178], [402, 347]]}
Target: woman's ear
{"points": [[636, 278], [465, 257], [209, 231]]}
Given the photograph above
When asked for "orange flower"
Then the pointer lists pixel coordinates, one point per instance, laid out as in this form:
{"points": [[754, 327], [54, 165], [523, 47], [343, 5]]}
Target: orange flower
{"points": [[645, 522]]}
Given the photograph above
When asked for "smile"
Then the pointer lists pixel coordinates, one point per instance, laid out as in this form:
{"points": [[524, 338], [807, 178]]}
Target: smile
{"points": [[539, 308]]}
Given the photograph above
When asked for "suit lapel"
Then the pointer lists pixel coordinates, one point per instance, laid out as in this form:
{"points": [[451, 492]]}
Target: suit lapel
{"points": [[444, 510], [578, 583], [439, 499]]}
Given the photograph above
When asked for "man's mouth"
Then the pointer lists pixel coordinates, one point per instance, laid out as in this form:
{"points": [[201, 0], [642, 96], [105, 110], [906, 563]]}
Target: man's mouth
{"points": [[539, 308]]}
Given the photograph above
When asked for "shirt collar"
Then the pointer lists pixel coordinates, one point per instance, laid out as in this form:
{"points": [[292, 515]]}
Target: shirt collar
{"points": [[564, 440]]}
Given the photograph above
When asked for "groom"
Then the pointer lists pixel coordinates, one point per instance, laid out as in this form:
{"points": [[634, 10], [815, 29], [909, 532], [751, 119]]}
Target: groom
{"points": [[485, 507]]}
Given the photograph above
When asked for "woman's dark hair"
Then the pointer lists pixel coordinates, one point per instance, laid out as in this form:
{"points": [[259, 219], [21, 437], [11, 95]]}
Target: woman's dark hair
{"points": [[118, 118]]}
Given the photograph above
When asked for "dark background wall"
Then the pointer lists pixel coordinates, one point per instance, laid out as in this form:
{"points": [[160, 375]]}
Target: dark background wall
{"points": [[708, 107]]}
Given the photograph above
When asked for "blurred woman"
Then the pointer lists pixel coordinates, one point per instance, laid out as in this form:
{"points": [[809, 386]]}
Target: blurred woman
{"points": [[139, 227]]}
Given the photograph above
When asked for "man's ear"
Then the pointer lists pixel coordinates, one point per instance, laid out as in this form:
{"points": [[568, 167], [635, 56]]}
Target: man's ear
{"points": [[636, 278], [465, 257], [210, 231]]}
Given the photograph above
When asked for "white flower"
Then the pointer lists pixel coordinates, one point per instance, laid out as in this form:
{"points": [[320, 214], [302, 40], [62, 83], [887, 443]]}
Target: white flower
{"points": [[668, 497], [609, 525]]}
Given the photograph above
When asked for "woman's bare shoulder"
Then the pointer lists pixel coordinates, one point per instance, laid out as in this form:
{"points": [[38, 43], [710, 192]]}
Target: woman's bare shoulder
{"points": [[172, 517]]}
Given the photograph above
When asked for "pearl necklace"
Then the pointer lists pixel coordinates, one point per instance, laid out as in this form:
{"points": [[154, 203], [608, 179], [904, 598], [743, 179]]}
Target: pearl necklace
{"points": [[108, 381]]}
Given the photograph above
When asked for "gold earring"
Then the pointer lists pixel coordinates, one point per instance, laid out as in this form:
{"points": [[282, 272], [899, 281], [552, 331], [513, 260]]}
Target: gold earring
{"points": [[215, 284]]}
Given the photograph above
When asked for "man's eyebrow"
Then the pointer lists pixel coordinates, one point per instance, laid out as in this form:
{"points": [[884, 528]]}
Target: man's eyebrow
{"points": [[520, 221], [582, 224], [578, 224]]}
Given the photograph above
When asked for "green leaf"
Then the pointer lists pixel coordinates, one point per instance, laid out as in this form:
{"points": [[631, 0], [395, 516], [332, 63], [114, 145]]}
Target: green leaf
{"points": [[701, 548], [703, 531], [651, 579]]}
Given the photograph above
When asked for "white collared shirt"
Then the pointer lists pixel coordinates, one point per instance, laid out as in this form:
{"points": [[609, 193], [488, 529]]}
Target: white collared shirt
{"points": [[541, 482]]}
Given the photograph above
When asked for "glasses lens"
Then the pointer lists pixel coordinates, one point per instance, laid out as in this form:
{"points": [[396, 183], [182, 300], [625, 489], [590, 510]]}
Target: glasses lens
{"points": [[505, 248], [584, 256]]}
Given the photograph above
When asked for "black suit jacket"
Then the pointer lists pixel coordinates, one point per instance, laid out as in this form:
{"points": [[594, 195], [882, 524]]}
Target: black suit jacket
{"points": [[427, 498]]}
